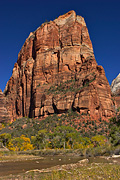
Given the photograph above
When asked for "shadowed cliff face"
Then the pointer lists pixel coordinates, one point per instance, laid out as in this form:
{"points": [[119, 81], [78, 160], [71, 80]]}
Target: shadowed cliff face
{"points": [[4, 114], [56, 70]]}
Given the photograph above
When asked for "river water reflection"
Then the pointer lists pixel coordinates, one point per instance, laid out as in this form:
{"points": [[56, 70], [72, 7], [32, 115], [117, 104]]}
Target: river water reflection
{"points": [[7, 168]]}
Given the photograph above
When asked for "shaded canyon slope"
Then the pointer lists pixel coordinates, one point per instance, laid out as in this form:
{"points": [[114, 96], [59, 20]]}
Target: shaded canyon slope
{"points": [[56, 71], [4, 114]]}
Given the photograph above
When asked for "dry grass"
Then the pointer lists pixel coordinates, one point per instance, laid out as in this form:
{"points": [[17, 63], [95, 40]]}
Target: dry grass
{"points": [[78, 171]]}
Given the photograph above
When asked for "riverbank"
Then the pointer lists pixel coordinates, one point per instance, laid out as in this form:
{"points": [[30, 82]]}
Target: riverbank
{"points": [[95, 167], [15, 157], [38, 154], [85, 152], [83, 170]]}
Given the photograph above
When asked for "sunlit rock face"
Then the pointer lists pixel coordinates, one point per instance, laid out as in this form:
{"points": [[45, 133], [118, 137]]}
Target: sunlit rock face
{"points": [[56, 71], [115, 88]]}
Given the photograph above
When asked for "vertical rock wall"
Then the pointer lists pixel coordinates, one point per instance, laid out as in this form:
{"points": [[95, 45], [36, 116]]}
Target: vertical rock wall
{"points": [[56, 70], [4, 114]]}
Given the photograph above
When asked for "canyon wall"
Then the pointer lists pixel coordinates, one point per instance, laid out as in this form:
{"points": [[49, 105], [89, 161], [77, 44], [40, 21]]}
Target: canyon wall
{"points": [[4, 114], [115, 88], [56, 71]]}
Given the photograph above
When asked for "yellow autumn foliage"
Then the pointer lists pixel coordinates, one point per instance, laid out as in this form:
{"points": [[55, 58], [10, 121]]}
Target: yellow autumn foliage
{"points": [[21, 143], [98, 140]]}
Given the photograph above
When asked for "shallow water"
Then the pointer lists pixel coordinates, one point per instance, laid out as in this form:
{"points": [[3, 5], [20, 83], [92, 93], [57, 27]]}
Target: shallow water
{"points": [[7, 168]]}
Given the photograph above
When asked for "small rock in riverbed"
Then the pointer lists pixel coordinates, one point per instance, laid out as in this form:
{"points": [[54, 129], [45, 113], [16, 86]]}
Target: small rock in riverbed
{"points": [[83, 161]]}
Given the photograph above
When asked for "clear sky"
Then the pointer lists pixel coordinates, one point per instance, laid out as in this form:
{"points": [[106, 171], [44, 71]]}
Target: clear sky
{"points": [[19, 17]]}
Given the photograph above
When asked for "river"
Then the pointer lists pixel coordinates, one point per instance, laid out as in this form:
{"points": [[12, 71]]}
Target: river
{"points": [[11, 167]]}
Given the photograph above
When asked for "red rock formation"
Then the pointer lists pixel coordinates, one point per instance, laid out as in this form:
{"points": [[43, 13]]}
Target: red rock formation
{"points": [[4, 114], [56, 70]]}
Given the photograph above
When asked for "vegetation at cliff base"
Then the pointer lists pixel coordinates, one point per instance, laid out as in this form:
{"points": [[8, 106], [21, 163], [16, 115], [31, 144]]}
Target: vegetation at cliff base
{"points": [[115, 130], [64, 134], [67, 131]]}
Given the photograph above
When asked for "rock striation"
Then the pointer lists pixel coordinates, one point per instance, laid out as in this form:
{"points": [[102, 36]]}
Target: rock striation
{"points": [[56, 71]]}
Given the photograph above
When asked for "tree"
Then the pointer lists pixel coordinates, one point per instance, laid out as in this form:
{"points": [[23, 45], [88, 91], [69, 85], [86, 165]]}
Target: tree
{"points": [[5, 138], [21, 143], [39, 140], [67, 134], [115, 130], [98, 140]]}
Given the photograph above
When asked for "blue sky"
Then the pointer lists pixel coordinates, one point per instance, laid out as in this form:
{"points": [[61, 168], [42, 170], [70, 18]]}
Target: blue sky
{"points": [[19, 17]]}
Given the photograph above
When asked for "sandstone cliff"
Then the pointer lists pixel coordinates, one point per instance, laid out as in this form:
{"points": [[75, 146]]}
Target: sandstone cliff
{"points": [[115, 88], [4, 114], [56, 70]]}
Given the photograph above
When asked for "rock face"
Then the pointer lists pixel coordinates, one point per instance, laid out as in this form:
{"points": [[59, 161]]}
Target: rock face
{"points": [[4, 114], [56, 70], [115, 88]]}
